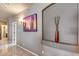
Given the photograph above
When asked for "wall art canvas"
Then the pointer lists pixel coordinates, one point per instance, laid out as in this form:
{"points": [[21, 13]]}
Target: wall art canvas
{"points": [[30, 23]]}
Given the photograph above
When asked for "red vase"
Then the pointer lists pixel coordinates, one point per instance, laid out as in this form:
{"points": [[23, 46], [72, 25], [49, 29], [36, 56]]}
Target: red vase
{"points": [[57, 36], [57, 19]]}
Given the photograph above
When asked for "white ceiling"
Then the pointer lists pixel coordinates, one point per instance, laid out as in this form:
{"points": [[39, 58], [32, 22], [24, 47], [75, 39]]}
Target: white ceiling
{"points": [[9, 9]]}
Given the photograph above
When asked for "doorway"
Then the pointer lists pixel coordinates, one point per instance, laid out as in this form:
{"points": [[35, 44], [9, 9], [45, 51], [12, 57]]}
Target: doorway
{"points": [[3, 32], [14, 35]]}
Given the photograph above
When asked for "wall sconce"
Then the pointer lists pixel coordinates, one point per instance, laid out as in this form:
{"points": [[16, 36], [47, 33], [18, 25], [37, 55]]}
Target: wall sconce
{"points": [[21, 20]]}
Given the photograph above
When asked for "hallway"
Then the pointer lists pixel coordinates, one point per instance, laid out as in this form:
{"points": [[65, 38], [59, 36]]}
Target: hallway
{"points": [[8, 46], [40, 29]]}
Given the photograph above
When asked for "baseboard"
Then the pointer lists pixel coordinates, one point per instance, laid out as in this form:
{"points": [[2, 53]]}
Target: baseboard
{"points": [[27, 50]]}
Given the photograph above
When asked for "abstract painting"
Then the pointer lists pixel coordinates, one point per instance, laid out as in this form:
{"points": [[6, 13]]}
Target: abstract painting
{"points": [[30, 23]]}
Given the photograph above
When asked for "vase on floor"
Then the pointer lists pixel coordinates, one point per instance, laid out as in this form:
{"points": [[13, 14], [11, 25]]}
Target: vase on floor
{"points": [[57, 19]]}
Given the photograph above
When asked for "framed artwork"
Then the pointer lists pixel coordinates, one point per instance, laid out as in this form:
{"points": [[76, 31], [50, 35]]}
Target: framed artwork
{"points": [[30, 23], [60, 27]]}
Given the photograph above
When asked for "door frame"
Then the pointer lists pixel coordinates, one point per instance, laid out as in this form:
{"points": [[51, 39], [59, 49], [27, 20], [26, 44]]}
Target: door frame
{"points": [[14, 32]]}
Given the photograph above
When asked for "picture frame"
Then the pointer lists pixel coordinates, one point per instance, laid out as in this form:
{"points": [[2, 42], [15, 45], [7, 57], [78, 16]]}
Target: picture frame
{"points": [[43, 29], [30, 23]]}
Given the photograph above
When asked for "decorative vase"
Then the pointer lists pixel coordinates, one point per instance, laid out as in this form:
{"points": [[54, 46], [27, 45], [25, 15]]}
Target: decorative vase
{"points": [[57, 19]]}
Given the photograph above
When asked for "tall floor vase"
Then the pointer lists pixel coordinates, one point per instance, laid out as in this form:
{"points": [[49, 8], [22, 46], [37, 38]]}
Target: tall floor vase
{"points": [[57, 36], [57, 19]]}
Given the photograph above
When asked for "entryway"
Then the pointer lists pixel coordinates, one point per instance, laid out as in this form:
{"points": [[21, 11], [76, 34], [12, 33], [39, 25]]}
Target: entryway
{"points": [[3, 32]]}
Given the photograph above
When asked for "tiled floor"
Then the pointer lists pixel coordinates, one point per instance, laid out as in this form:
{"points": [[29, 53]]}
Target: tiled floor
{"points": [[7, 49], [14, 51]]}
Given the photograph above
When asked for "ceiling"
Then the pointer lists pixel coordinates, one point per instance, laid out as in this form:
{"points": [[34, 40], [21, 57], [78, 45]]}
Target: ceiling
{"points": [[9, 9]]}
